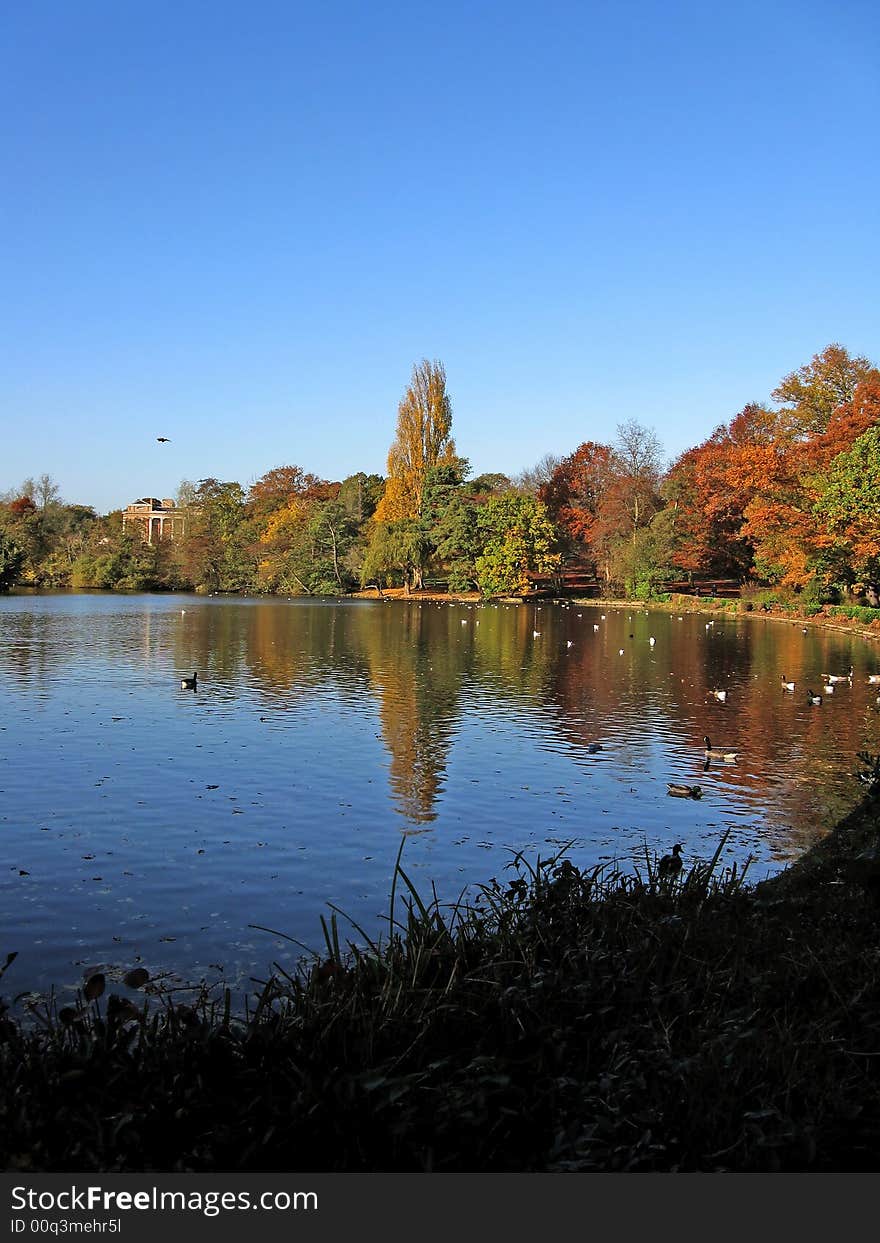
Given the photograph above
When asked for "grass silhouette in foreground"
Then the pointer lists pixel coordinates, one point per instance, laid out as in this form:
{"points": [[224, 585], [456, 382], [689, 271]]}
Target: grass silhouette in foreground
{"points": [[564, 1020]]}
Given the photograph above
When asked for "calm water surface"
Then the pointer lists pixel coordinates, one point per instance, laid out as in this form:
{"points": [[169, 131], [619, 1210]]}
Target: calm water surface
{"points": [[146, 824]]}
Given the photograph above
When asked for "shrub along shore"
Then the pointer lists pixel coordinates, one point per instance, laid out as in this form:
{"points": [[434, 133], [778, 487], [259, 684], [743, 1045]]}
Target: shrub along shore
{"points": [[565, 1020]]}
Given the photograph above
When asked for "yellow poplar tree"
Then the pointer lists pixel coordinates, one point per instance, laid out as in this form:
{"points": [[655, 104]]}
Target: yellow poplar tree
{"points": [[424, 421]]}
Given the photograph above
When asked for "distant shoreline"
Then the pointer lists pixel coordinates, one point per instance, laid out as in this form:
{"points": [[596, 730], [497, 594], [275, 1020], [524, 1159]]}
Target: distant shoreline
{"points": [[678, 604]]}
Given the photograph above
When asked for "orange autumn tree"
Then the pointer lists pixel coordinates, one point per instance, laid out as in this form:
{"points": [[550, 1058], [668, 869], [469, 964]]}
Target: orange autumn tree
{"points": [[603, 497], [399, 543], [706, 536], [286, 503], [849, 505], [280, 485], [423, 440], [709, 488], [835, 403], [744, 500]]}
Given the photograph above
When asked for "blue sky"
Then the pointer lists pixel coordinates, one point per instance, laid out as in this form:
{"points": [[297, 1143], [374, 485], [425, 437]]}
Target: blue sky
{"points": [[239, 225]]}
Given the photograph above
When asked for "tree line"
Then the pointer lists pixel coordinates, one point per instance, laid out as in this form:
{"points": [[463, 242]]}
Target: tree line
{"points": [[786, 493]]}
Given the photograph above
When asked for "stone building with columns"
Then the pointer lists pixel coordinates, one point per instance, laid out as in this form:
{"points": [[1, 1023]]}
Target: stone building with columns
{"points": [[154, 519]]}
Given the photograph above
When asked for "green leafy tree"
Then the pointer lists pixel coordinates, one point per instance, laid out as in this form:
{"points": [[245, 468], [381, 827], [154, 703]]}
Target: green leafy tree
{"points": [[118, 560], [452, 507], [811, 394], [11, 561], [332, 531], [360, 494], [644, 560], [486, 484], [458, 542], [518, 539], [215, 553], [396, 549], [850, 507], [30, 528]]}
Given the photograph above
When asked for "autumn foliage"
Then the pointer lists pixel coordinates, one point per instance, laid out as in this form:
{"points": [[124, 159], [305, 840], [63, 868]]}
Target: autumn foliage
{"points": [[786, 492]]}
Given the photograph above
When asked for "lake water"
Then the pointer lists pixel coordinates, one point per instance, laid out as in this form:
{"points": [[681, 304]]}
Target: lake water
{"points": [[142, 823]]}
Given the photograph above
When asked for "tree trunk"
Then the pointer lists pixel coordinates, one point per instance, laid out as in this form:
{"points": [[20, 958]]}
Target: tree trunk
{"points": [[335, 560]]}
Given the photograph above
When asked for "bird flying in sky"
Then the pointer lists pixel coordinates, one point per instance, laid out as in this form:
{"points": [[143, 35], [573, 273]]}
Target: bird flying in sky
{"points": [[163, 440]]}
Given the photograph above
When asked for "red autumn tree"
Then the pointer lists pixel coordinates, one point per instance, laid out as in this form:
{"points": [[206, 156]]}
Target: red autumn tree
{"points": [[279, 485], [710, 487], [790, 540], [574, 492]]}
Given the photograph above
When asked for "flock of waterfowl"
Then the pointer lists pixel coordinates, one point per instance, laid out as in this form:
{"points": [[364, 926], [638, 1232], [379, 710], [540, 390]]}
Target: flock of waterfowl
{"points": [[671, 864], [829, 681]]}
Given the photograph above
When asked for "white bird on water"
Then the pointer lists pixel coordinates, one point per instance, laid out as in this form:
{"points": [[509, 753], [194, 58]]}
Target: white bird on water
{"points": [[839, 677]]}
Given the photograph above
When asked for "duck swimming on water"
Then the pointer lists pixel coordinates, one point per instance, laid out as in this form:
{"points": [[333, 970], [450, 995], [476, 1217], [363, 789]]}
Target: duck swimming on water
{"points": [[188, 684], [680, 791], [716, 753]]}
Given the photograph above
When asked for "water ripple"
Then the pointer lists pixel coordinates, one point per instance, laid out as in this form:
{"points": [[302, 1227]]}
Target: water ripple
{"points": [[141, 820]]}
